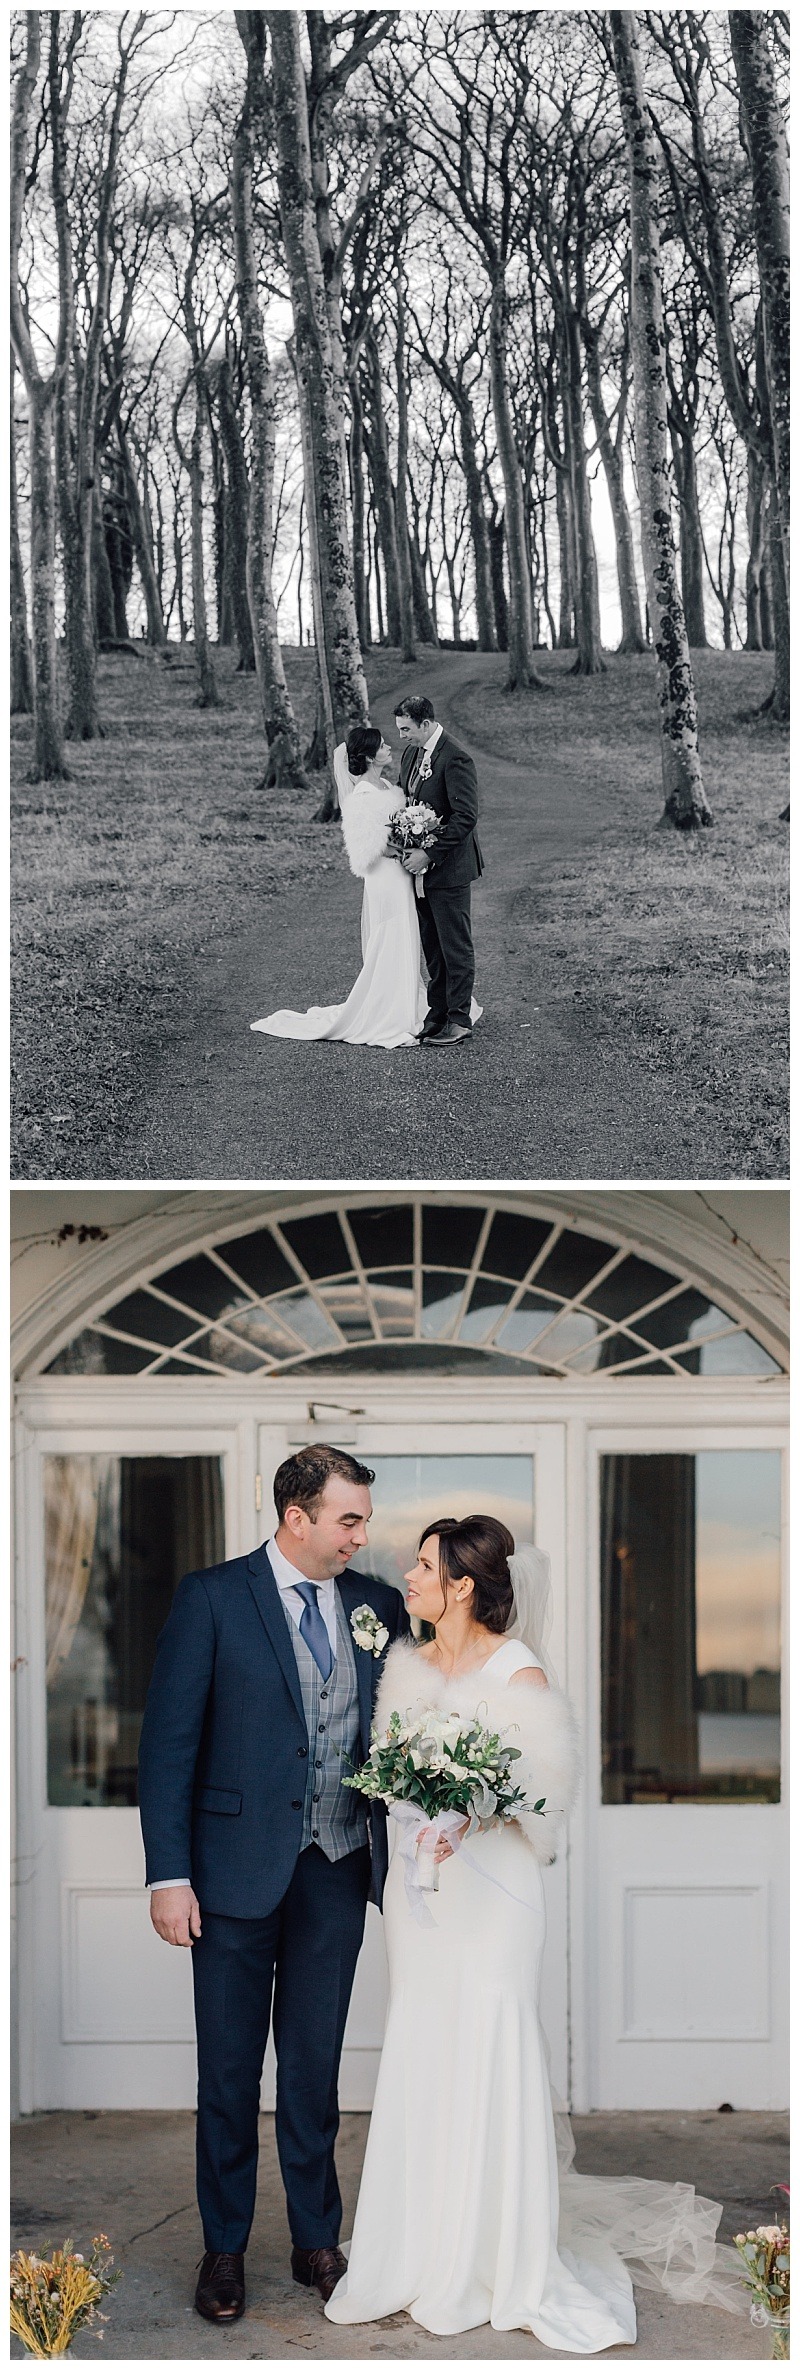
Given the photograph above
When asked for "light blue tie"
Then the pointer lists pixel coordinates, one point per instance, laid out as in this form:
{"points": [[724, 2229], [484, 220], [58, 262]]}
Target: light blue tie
{"points": [[313, 1629]]}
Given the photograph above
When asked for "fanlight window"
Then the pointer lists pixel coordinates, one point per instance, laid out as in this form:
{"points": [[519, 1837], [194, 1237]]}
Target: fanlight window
{"points": [[415, 1282]]}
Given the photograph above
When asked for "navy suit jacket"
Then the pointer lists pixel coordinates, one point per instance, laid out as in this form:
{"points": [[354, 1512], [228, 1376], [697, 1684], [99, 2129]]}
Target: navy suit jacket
{"points": [[223, 1755]]}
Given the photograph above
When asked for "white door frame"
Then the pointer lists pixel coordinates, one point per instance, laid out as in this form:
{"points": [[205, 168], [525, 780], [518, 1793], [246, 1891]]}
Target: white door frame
{"points": [[61, 1414]]}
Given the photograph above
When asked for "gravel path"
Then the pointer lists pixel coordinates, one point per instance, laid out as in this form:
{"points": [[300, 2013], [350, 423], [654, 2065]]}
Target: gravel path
{"points": [[526, 1098]]}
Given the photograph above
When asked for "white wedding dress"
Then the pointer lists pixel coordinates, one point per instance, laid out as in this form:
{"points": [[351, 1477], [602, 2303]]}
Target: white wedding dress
{"points": [[459, 2220], [389, 1000]]}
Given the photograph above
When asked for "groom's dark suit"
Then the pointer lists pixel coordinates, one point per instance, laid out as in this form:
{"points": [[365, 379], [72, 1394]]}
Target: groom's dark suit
{"points": [[455, 862], [223, 1791]]}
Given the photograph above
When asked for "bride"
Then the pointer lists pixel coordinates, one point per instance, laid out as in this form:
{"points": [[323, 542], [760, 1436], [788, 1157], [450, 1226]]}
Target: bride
{"points": [[462, 2217], [388, 1003]]}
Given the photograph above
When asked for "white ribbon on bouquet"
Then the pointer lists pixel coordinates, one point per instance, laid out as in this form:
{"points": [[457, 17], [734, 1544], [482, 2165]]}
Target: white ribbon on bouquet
{"points": [[411, 1821]]}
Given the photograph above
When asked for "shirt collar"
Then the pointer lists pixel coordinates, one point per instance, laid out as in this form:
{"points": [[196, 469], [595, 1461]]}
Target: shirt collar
{"points": [[287, 1574], [430, 745]]}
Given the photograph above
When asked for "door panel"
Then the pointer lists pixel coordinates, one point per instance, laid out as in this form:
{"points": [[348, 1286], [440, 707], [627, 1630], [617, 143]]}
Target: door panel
{"points": [[515, 1472], [688, 2005]]}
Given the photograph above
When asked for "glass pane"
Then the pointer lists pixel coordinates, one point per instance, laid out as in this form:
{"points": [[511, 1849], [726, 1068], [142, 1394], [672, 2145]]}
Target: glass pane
{"points": [[513, 1243], [261, 1329], [306, 1318], [690, 1565], [532, 1313], [384, 1237], [686, 1318], [96, 1353], [574, 1259], [441, 1300], [223, 1351], [450, 1236], [737, 1353], [257, 1259], [486, 1305], [393, 1295], [201, 1285], [119, 1534], [630, 1286], [348, 1306], [319, 1244], [152, 1320], [409, 1492]]}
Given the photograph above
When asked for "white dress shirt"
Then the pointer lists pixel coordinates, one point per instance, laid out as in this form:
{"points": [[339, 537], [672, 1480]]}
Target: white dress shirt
{"points": [[286, 1576], [426, 749]]}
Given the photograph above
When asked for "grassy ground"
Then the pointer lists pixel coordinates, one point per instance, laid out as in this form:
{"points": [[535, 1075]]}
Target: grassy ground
{"points": [[670, 934], [660, 958]]}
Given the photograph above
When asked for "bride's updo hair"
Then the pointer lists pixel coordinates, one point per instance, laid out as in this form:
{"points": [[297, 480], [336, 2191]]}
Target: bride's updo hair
{"points": [[477, 1549], [362, 745]]}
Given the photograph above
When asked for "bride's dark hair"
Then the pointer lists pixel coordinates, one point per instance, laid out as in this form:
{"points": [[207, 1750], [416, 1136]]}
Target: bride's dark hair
{"points": [[477, 1549], [362, 744]]}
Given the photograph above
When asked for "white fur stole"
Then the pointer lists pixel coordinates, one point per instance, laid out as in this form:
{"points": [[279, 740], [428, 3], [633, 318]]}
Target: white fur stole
{"points": [[542, 1720], [365, 824]]}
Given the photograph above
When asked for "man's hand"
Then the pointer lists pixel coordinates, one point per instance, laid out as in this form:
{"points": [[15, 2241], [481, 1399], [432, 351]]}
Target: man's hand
{"points": [[417, 861], [175, 1911]]}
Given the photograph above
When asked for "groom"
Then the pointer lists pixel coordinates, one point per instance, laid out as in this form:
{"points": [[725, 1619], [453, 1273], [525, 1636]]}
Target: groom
{"points": [[435, 772], [259, 1858]]}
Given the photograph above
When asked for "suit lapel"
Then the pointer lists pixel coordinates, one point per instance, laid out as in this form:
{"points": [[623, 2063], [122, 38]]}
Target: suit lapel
{"points": [[352, 1593], [265, 1590]]}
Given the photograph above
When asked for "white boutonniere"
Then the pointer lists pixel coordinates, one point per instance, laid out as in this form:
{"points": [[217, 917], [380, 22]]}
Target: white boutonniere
{"points": [[424, 773], [369, 1633]]}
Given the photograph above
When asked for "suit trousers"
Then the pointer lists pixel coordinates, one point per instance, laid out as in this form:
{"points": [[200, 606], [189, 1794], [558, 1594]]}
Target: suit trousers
{"points": [[446, 931], [306, 1950]]}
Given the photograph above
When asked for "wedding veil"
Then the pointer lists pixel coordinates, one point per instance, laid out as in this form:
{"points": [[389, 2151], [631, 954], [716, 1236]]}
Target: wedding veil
{"points": [[665, 2232]]}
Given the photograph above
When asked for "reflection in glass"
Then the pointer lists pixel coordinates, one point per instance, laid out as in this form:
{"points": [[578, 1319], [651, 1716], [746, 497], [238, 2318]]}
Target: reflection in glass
{"points": [[441, 1301], [119, 1534], [687, 1317], [393, 1297], [486, 1305], [530, 1317], [200, 1285], [153, 1320], [223, 1351], [737, 1353], [98, 1353], [569, 1267], [305, 1317], [629, 1287], [409, 1492], [690, 1581], [318, 1243], [262, 1330], [348, 1308]]}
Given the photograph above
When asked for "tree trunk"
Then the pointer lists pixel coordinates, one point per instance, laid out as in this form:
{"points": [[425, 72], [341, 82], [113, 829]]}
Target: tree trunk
{"points": [[209, 695], [611, 457], [21, 666], [383, 493], [589, 660], [567, 561], [48, 748], [401, 488], [497, 546], [755, 555], [685, 803], [105, 624], [778, 703], [691, 541], [156, 632], [355, 452], [522, 674], [478, 526], [318, 378], [285, 758], [423, 619], [236, 524], [765, 140]]}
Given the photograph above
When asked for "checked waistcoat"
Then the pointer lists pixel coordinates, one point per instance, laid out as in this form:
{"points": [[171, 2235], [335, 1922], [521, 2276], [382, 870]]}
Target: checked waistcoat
{"points": [[333, 1817]]}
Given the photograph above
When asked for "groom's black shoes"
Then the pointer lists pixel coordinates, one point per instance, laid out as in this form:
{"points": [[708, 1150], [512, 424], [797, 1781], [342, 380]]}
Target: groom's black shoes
{"points": [[219, 2294], [451, 1034], [431, 1027], [319, 2267]]}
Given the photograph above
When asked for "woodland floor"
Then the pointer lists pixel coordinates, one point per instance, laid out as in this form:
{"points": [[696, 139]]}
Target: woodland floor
{"points": [[633, 980]]}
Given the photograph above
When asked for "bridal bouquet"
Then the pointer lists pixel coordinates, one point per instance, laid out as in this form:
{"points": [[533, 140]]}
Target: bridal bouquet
{"points": [[436, 1769], [52, 2300], [413, 828]]}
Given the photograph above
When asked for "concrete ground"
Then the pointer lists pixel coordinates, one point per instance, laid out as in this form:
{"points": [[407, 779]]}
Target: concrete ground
{"points": [[132, 2176]]}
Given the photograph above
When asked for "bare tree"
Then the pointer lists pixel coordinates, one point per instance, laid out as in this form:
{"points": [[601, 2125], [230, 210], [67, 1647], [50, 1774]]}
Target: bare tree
{"points": [[21, 666], [765, 139], [285, 760], [48, 744], [319, 379], [685, 802]]}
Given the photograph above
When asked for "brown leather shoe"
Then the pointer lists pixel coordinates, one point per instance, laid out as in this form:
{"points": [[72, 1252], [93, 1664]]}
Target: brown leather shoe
{"points": [[219, 2294], [319, 2267]]}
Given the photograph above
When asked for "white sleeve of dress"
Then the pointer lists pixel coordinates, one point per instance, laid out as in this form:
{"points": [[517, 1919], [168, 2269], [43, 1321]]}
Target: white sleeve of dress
{"points": [[365, 827]]}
